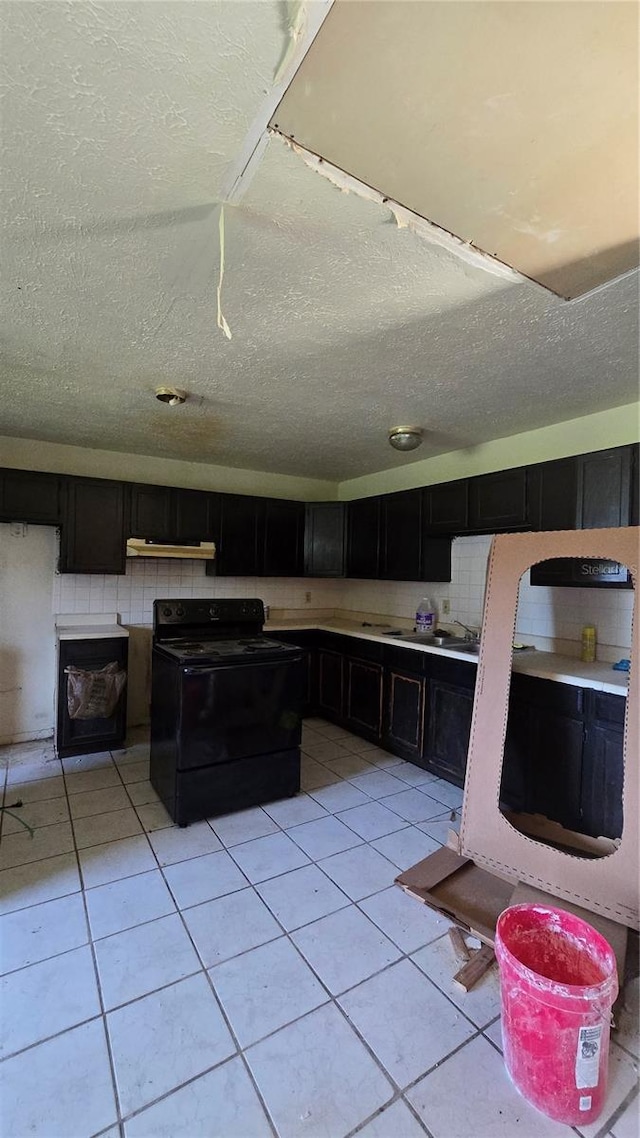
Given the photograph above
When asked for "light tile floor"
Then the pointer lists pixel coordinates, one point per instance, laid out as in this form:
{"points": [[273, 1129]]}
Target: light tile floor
{"points": [[251, 976]]}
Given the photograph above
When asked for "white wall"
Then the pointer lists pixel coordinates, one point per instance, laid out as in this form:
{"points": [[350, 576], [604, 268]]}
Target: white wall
{"points": [[27, 644]]}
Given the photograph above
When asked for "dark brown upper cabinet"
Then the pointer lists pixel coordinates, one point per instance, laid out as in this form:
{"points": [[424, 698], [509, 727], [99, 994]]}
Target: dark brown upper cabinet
{"points": [[28, 496], [445, 507], [167, 513], [93, 534], [498, 501], [258, 537], [325, 539], [237, 548], [283, 541], [604, 489], [363, 538], [589, 491], [401, 529], [553, 494]]}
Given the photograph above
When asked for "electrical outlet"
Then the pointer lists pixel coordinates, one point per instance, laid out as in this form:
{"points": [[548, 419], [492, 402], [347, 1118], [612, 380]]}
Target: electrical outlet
{"points": [[446, 607], [307, 597]]}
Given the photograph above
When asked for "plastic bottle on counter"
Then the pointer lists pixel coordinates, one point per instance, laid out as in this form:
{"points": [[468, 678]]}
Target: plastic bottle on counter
{"points": [[425, 616], [588, 653]]}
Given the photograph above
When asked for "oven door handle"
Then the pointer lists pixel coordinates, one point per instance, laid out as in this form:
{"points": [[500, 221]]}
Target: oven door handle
{"points": [[196, 670]]}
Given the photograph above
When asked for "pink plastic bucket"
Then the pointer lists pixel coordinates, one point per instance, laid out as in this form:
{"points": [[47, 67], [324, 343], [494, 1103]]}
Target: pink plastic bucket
{"points": [[558, 981]]}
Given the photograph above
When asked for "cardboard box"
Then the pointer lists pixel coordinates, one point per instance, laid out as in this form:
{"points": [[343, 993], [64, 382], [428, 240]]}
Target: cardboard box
{"points": [[607, 884]]}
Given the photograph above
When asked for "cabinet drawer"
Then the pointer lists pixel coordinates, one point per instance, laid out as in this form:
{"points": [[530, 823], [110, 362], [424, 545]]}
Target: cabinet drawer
{"points": [[405, 659], [608, 708], [562, 698]]}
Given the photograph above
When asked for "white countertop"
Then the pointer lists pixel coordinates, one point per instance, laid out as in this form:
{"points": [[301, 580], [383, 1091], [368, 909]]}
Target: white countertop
{"points": [[89, 626], [545, 665]]}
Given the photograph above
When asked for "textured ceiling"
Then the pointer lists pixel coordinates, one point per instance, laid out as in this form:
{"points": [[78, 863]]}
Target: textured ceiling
{"points": [[119, 124]]}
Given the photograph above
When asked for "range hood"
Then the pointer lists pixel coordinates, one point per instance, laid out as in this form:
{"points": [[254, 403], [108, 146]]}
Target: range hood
{"points": [[195, 550]]}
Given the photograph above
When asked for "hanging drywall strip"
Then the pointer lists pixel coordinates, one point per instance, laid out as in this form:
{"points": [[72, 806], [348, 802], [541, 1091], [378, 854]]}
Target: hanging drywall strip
{"points": [[222, 323], [405, 218], [241, 171]]}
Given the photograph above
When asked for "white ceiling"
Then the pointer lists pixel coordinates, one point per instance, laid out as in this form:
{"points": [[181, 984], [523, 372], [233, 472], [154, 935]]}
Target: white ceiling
{"points": [[120, 123]]}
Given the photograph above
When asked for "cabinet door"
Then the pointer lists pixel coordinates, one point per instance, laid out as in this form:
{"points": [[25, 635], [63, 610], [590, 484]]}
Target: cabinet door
{"points": [[191, 513], [26, 496], [330, 684], [604, 489], [555, 766], [449, 727], [404, 714], [553, 494], [237, 551], [86, 736], [602, 782], [283, 538], [363, 708], [152, 512], [324, 539], [363, 538], [93, 530], [401, 522], [514, 785], [445, 508], [498, 501]]}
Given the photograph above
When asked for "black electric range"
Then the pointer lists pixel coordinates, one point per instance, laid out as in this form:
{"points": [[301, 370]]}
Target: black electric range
{"points": [[226, 708]]}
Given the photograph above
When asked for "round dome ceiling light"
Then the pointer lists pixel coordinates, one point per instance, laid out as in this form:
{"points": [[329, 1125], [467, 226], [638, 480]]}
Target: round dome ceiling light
{"points": [[171, 395], [405, 438]]}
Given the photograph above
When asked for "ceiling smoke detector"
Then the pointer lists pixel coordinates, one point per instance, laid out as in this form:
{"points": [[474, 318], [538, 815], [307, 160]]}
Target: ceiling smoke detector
{"points": [[171, 395], [405, 438]]}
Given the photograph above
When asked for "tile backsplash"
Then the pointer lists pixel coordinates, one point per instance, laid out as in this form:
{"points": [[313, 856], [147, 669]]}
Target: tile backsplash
{"points": [[545, 614]]}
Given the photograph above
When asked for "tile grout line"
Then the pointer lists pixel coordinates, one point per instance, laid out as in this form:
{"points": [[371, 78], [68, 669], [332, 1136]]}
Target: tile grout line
{"points": [[103, 1017]]}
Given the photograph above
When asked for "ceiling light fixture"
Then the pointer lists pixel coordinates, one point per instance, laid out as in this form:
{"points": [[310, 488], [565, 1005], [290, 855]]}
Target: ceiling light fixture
{"points": [[405, 438], [171, 395]]}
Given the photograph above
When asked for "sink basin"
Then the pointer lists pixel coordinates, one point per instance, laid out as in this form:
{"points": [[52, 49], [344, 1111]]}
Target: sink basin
{"points": [[456, 642]]}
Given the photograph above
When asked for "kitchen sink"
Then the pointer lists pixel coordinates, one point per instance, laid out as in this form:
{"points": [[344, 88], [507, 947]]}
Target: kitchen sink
{"points": [[456, 642]]}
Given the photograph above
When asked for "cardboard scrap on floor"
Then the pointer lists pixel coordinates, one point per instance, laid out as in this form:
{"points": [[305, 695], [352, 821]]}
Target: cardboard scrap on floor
{"points": [[474, 898]]}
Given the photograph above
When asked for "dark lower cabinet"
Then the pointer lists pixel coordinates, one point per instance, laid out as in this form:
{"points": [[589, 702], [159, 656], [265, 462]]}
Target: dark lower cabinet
{"points": [[403, 724], [85, 736], [28, 496], [563, 754], [363, 698], [330, 684], [450, 707], [603, 767], [93, 526]]}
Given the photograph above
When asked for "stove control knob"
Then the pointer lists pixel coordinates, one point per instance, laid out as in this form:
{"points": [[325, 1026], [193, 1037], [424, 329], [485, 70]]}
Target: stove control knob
{"points": [[167, 612], [213, 611], [180, 611]]}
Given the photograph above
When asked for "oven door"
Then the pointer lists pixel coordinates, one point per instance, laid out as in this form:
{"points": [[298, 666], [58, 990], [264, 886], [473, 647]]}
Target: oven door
{"points": [[232, 712]]}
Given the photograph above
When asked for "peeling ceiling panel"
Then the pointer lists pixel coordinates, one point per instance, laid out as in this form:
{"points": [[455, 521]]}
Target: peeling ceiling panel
{"points": [[511, 125]]}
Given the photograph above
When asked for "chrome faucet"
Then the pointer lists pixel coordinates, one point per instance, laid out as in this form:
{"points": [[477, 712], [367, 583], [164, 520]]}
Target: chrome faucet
{"points": [[472, 633]]}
